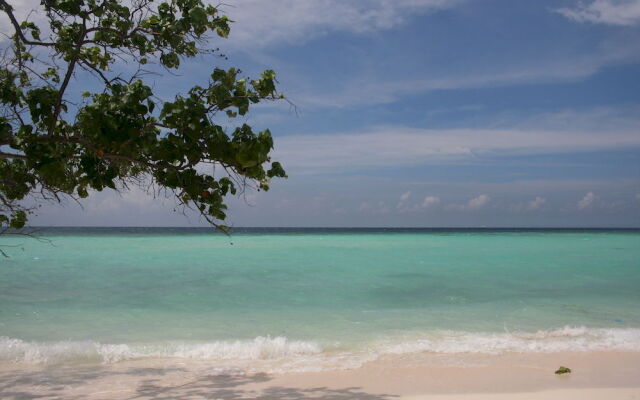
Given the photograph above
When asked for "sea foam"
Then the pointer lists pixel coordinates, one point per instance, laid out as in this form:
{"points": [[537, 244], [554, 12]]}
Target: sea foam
{"points": [[544, 341], [280, 354], [260, 348]]}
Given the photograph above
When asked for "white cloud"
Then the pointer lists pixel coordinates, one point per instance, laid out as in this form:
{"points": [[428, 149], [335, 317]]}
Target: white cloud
{"points": [[400, 146], [586, 201], [475, 203], [430, 201], [402, 203], [368, 90], [594, 119], [532, 205], [536, 203], [262, 23], [21, 10], [134, 198], [611, 12], [478, 202]]}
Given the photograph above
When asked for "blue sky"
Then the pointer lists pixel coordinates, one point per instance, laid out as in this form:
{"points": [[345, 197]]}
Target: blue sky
{"points": [[428, 113]]}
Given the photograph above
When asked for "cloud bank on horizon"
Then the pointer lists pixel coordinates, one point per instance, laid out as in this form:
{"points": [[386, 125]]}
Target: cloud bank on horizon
{"points": [[430, 113]]}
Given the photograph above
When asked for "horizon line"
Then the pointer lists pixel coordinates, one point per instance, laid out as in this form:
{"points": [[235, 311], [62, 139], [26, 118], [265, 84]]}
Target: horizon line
{"points": [[337, 227]]}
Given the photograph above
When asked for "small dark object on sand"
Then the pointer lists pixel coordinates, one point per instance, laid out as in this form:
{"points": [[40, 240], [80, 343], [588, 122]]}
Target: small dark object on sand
{"points": [[563, 370]]}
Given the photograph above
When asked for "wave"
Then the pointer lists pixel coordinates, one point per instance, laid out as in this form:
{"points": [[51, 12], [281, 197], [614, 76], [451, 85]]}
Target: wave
{"points": [[260, 348], [281, 354], [574, 339]]}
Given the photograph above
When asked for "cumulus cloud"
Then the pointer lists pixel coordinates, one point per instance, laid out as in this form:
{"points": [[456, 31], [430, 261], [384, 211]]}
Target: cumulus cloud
{"points": [[586, 201], [531, 205], [270, 23], [403, 199], [478, 202], [430, 201], [610, 12], [536, 203], [475, 203]]}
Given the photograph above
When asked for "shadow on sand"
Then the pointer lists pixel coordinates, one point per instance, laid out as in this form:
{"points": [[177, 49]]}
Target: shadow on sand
{"points": [[148, 384]]}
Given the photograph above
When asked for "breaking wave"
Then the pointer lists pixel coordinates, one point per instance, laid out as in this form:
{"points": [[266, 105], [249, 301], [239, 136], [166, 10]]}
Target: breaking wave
{"points": [[292, 355], [574, 339], [260, 348]]}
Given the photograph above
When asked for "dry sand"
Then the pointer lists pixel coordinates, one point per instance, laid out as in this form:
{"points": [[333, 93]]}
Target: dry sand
{"points": [[596, 375]]}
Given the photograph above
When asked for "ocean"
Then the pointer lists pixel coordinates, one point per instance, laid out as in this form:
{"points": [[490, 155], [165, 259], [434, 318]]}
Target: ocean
{"points": [[312, 299]]}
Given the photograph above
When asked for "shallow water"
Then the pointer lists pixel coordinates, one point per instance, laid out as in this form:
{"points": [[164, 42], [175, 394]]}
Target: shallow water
{"points": [[309, 295]]}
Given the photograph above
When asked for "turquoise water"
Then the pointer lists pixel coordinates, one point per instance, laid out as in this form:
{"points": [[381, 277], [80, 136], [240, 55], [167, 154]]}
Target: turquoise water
{"points": [[187, 294]]}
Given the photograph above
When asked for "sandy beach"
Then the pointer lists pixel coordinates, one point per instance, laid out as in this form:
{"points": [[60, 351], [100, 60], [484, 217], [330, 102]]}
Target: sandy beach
{"points": [[365, 316], [596, 375], [319, 200]]}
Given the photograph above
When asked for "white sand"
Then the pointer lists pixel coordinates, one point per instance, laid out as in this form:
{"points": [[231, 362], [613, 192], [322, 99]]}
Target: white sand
{"points": [[596, 375], [561, 394]]}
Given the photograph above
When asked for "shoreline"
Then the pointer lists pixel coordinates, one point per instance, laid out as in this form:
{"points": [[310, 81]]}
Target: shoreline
{"points": [[598, 374], [279, 354]]}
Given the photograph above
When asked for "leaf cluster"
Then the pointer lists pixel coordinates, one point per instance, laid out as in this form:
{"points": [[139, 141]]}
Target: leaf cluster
{"points": [[52, 145]]}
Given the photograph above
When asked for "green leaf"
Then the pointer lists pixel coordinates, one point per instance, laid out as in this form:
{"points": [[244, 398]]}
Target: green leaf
{"points": [[126, 131], [198, 15]]}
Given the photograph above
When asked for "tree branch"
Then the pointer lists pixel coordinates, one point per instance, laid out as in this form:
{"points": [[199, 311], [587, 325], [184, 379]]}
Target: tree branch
{"points": [[12, 156], [8, 10], [67, 78]]}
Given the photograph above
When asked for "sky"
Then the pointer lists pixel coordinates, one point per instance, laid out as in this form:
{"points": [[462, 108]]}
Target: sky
{"points": [[426, 113]]}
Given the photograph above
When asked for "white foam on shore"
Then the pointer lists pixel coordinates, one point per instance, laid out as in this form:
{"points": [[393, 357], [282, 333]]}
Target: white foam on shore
{"points": [[567, 339], [277, 354], [260, 348]]}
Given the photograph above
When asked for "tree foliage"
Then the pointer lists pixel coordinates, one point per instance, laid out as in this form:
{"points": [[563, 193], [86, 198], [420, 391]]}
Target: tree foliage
{"points": [[53, 144]]}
